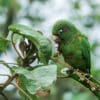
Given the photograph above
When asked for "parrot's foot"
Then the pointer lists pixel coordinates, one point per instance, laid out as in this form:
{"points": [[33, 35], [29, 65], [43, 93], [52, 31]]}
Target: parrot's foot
{"points": [[88, 76], [82, 79], [67, 71]]}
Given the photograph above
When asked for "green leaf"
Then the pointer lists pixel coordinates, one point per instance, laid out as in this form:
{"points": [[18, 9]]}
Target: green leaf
{"points": [[23, 71], [39, 78], [29, 86], [43, 44], [16, 37], [45, 75], [26, 31], [32, 86], [27, 80], [3, 44]]}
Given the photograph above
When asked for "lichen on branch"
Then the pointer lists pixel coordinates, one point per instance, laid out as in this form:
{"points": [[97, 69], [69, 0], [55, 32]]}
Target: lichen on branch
{"points": [[84, 78]]}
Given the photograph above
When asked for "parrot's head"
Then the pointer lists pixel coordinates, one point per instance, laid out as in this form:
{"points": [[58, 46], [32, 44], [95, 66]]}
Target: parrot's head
{"points": [[63, 30]]}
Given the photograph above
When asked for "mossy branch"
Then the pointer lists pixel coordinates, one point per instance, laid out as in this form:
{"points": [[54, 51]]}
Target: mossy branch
{"points": [[4, 85], [85, 79], [6, 98]]}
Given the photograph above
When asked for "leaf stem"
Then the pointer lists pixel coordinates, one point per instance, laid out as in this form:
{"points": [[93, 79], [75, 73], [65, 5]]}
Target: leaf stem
{"points": [[8, 63], [12, 36], [5, 75], [9, 80], [20, 89]]}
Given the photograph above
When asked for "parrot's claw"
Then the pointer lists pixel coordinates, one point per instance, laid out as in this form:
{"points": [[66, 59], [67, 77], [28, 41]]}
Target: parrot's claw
{"points": [[66, 71], [93, 88], [81, 79]]}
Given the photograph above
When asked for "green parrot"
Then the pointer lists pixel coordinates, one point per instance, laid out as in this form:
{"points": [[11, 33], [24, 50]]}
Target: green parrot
{"points": [[73, 45]]}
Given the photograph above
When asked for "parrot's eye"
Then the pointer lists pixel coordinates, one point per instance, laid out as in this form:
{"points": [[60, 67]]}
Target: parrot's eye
{"points": [[60, 31]]}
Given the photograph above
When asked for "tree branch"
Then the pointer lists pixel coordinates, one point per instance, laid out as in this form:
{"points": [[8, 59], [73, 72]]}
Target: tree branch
{"points": [[3, 85], [10, 79], [1, 62], [4, 96], [85, 79]]}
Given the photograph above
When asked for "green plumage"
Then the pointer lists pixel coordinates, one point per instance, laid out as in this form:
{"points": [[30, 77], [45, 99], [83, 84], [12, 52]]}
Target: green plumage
{"points": [[73, 45]]}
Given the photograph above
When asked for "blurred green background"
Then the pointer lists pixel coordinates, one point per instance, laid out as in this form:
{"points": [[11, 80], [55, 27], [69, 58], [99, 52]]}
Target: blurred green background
{"points": [[41, 15]]}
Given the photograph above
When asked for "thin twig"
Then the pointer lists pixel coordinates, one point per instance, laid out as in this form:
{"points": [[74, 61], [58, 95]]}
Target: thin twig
{"points": [[8, 63], [20, 89], [10, 80], [6, 98], [60, 77], [12, 36], [3, 86], [5, 75]]}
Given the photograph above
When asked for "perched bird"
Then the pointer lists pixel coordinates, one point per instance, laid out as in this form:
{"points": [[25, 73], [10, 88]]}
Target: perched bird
{"points": [[73, 45]]}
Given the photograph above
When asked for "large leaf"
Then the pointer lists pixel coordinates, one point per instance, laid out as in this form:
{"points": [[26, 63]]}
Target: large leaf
{"points": [[43, 44], [23, 71], [26, 80], [3, 44], [16, 37], [45, 75], [29, 86], [39, 78], [32, 86]]}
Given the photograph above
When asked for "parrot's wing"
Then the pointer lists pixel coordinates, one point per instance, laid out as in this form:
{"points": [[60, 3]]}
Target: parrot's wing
{"points": [[86, 53]]}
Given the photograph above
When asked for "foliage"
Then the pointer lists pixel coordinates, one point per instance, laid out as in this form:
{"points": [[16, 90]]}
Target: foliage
{"points": [[29, 78], [3, 44], [11, 11], [32, 79]]}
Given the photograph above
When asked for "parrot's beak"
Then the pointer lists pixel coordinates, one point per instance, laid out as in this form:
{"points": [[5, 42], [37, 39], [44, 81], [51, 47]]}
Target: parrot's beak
{"points": [[56, 39]]}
